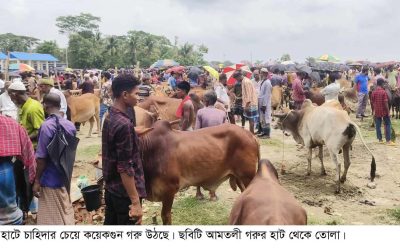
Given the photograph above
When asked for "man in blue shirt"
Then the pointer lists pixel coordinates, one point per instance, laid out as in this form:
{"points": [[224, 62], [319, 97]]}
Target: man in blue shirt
{"points": [[361, 85], [172, 80]]}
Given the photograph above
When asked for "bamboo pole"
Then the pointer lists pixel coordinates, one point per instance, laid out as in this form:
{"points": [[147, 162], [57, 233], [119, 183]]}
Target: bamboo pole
{"points": [[7, 65]]}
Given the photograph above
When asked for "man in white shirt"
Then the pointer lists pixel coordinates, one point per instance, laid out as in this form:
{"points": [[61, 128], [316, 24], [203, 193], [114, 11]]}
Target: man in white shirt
{"points": [[331, 92], [46, 86], [7, 107], [222, 92]]}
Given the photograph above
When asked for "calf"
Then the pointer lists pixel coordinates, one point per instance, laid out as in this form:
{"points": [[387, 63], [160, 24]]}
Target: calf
{"points": [[266, 202]]}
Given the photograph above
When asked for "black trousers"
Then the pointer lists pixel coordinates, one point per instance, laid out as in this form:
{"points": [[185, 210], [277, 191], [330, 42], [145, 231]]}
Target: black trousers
{"points": [[23, 187], [117, 210]]}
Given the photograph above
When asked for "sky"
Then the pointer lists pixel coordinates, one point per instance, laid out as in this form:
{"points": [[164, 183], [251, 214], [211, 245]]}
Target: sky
{"points": [[231, 29]]}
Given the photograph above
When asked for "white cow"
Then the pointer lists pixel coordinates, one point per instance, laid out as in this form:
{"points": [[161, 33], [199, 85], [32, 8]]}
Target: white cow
{"points": [[324, 125]]}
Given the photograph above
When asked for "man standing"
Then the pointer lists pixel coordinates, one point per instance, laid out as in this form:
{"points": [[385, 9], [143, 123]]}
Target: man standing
{"points": [[256, 81], [7, 107], [361, 85], [249, 99], [14, 142], [264, 104], [55, 207], [209, 117], [222, 92], [46, 86], [122, 165], [185, 110], [331, 92], [31, 115], [276, 79], [298, 94], [145, 88], [380, 110], [87, 86], [106, 95], [172, 80]]}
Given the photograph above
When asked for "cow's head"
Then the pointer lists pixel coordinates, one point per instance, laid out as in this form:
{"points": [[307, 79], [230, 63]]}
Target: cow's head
{"points": [[290, 121]]}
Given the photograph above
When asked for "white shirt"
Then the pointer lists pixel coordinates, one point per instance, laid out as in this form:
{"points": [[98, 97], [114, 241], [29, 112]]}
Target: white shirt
{"points": [[63, 103], [222, 94], [256, 86], [7, 107], [331, 92]]}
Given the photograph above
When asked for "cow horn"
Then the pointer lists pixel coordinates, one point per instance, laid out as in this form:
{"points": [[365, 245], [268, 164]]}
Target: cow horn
{"points": [[174, 122]]}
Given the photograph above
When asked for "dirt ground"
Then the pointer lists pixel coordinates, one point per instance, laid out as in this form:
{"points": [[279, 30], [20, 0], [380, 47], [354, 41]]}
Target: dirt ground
{"points": [[355, 205]]}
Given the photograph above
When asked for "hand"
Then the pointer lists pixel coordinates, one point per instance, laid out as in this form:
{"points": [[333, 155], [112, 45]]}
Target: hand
{"points": [[36, 189], [247, 105], [135, 212], [263, 109]]}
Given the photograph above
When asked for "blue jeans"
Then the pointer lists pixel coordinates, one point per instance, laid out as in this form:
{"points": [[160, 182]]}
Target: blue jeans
{"points": [[10, 214], [103, 109], [378, 125]]}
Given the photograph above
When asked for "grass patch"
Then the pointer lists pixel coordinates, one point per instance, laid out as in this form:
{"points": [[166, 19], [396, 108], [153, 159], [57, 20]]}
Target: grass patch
{"points": [[395, 214], [271, 142], [190, 211], [89, 152], [313, 221]]}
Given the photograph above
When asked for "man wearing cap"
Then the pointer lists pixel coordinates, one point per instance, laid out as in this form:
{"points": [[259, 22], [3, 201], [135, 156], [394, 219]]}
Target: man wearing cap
{"points": [[249, 99], [264, 104], [7, 107], [31, 114], [46, 86], [185, 110]]}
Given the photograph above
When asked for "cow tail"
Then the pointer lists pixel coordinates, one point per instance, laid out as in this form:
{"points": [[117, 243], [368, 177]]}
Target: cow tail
{"points": [[352, 126]]}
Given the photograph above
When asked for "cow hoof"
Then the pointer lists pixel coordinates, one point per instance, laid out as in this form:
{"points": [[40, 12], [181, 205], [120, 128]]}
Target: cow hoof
{"points": [[88, 136], [214, 198], [308, 173], [337, 191], [199, 197], [323, 173], [342, 179], [371, 185]]}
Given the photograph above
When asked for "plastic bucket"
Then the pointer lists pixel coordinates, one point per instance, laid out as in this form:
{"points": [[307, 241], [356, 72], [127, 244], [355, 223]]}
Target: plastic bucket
{"points": [[91, 195]]}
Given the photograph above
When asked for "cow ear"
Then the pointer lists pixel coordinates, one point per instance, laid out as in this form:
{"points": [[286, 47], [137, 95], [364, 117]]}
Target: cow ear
{"points": [[280, 115], [140, 131]]}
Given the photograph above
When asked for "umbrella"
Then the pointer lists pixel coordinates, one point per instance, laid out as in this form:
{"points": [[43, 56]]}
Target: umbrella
{"points": [[328, 58], [287, 62], [68, 70], [212, 71], [303, 68], [231, 69], [164, 64], [280, 67], [315, 77], [21, 67], [62, 151], [176, 69]]}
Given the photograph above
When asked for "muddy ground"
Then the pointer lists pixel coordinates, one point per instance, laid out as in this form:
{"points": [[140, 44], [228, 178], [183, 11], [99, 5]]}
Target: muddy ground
{"points": [[355, 205]]}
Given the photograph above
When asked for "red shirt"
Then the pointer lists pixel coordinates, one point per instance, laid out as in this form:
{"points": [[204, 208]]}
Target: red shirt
{"points": [[14, 141], [378, 99]]}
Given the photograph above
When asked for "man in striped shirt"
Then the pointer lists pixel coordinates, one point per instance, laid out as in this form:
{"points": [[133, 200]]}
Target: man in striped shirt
{"points": [[145, 88]]}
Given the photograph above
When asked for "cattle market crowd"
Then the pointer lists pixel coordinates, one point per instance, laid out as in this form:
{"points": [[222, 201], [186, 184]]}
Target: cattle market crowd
{"points": [[166, 129]]}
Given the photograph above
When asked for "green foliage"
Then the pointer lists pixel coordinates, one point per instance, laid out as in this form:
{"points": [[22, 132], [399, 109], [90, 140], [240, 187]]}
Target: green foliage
{"points": [[395, 213], [285, 57], [50, 47], [83, 23], [11, 42]]}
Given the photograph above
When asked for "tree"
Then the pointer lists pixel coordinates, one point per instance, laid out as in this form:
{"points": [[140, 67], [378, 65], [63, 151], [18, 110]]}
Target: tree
{"points": [[285, 57], [310, 60], [11, 42], [80, 52], [49, 47], [84, 23]]}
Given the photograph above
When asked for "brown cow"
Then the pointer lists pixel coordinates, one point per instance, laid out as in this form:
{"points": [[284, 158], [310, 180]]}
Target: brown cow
{"points": [[174, 160], [276, 99], [84, 108], [165, 107], [266, 202], [144, 118], [315, 96]]}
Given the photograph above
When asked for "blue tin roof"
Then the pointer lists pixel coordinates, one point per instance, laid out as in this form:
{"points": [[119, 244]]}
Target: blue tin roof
{"points": [[32, 57], [3, 56]]}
